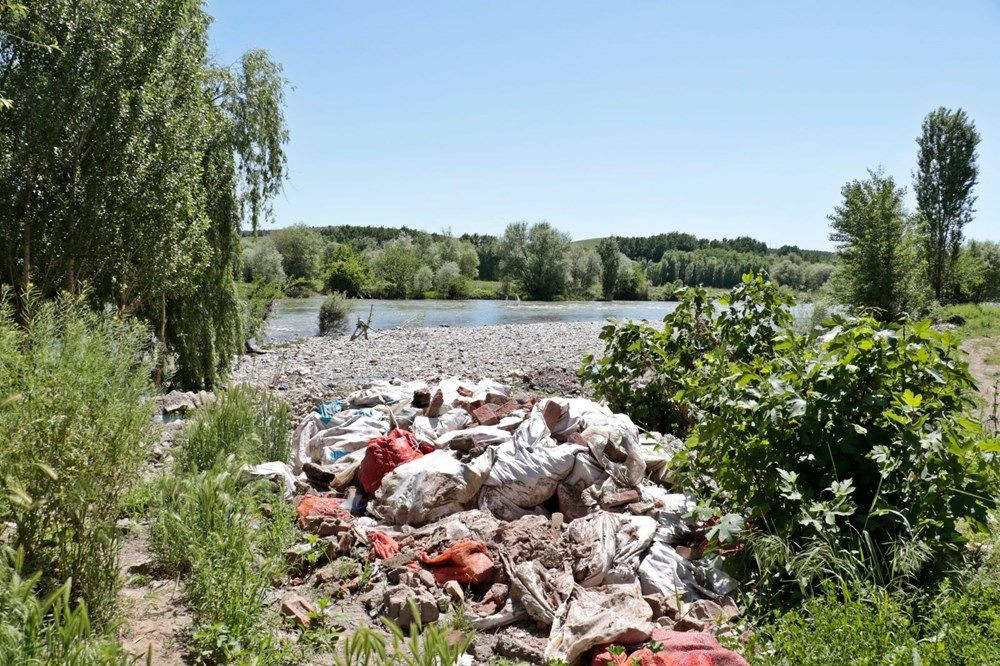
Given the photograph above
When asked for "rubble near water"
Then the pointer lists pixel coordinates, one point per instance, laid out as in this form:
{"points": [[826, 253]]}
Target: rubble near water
{"points": [[534, 519]]}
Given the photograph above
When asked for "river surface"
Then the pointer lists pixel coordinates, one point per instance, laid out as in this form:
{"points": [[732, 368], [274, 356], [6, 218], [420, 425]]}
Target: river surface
{"points": [[297, 317]]}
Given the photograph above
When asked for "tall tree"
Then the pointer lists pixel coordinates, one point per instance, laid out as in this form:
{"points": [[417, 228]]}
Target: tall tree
{"points": [[877, 266], [947, 172], [607, 250], [128, 162]]}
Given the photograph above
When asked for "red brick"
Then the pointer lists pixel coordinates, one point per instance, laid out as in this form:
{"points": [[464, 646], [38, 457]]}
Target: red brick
{"points": [[484, 415], [297, 608]]}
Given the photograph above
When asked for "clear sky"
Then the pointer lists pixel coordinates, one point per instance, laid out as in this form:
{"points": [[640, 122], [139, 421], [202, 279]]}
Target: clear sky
{"points": [[617, 117]]}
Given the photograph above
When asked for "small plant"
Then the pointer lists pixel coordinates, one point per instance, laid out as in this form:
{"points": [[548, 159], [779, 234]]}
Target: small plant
{"points": [[49, 629], [333, 314]]}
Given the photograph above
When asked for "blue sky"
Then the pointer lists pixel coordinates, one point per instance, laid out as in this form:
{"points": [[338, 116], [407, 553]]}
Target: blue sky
{"points": [[629, 118]]}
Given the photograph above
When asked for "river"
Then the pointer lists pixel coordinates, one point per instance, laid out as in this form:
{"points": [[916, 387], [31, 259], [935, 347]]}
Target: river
{"points": [[297, 317]]}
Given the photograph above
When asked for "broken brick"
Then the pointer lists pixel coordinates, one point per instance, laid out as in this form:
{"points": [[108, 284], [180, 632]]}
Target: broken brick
{"points": [[298, 609], [485, 415], [434, 406], [618, 498]]}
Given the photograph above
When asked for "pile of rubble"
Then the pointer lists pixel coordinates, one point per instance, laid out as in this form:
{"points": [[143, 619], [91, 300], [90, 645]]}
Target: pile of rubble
{"points": [[549, 515]]}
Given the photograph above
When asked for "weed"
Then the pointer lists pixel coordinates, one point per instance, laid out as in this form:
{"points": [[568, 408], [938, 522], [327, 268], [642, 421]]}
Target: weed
{"points": [[75, 429], [250, 424], [49, 629]]}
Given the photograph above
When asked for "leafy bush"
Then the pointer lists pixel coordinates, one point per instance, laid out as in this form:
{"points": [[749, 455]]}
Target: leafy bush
{"points": [[430, 645], [74, 427], [449, 281], [49, 629], [301, 249], [245, 422], [859, 442], [347, 272], [333, 314], [256, 301]]}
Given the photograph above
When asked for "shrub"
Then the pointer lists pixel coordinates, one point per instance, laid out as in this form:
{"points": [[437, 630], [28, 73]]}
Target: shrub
{"points": [[449, 281], [423, 280], [256, 301], [244, 422], [350, 274], [860, 442], [49, 629], [333, 314], [74, 424], [299, 288]]}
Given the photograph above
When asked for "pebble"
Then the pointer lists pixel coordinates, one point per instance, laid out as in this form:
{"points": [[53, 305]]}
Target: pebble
{"points": [[541, 357]]}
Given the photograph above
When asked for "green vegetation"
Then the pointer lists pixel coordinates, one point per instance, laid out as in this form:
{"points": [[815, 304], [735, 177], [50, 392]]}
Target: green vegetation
{"points": [[75, 429], [975, 321], [136, 203], [208, 527], [535, 259], [333, 314], [855, 549]]}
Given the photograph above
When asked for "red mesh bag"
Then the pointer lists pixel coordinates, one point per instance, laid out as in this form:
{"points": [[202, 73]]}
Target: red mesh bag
{"points": [[385, 454], [466, 561]]}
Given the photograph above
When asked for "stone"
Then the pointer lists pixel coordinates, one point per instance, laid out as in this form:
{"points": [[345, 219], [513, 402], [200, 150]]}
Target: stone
{"points": [[396, 602], [422, 398], [454, 592], [318, 474], [426, 577], [552, 413], [664, 606], [689, 552], [506, 409], [443, 605], [524, 647], [298, 609], [176, 402]]}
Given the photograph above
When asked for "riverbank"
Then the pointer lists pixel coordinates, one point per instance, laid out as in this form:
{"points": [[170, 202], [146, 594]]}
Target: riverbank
{"points": [[541, 357]]}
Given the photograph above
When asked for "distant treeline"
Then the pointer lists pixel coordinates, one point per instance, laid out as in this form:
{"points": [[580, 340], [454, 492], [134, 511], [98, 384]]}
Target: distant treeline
{"points": [[667, 258]]}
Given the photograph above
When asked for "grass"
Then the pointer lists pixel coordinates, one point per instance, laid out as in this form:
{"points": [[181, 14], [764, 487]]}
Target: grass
{"points": [[981, 321], [210, 529]]}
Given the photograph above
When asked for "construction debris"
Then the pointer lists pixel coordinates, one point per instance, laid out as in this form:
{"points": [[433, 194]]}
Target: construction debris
{"points": [[549, 514]]}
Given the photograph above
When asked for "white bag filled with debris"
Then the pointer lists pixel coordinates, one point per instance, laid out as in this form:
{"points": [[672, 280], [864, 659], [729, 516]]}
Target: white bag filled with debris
{"points": [[429, 429], [468, 438], [664, 571], [541, 591], [278, 472], [574, 414], [615, 446], [527, 469], [580, 491], [346, 432], [597, 616], [429, 488], [610, 546], [384, 393]]}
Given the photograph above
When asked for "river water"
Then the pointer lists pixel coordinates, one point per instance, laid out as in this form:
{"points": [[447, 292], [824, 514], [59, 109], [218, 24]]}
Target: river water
{"points": [[297, 317]]}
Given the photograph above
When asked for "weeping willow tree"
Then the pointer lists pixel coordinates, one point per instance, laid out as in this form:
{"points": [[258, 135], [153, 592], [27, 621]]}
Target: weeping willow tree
{"points": [[128, 163]]}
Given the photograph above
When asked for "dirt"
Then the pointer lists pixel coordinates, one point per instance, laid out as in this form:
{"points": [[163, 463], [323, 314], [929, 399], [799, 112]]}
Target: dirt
{"points": [[987, 376], [156, 620], [532, 538]]}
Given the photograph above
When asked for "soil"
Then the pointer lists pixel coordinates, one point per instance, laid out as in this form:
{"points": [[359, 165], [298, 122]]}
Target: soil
{"points": [[985, 374], [156, 620]]}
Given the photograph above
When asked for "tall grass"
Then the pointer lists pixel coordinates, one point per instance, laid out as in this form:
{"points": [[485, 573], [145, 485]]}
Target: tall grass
{"points": [[74, 427], [208, 527], [247, 423], [47, 629]]}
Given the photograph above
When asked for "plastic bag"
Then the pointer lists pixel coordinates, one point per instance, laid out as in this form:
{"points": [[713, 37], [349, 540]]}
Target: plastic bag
{"points": [[429, 488], [597, 616], [466, 561]]}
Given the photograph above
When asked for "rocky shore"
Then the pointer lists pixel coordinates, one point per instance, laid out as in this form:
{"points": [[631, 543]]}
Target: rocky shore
{"points": [[542, 358]]}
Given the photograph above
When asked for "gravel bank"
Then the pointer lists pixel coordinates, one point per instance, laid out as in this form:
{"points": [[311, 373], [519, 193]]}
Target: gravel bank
{"points": [[538, 357]]}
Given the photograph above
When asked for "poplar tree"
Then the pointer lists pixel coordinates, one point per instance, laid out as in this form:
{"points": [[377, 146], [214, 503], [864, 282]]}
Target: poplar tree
{"points": [[947, 172]]}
